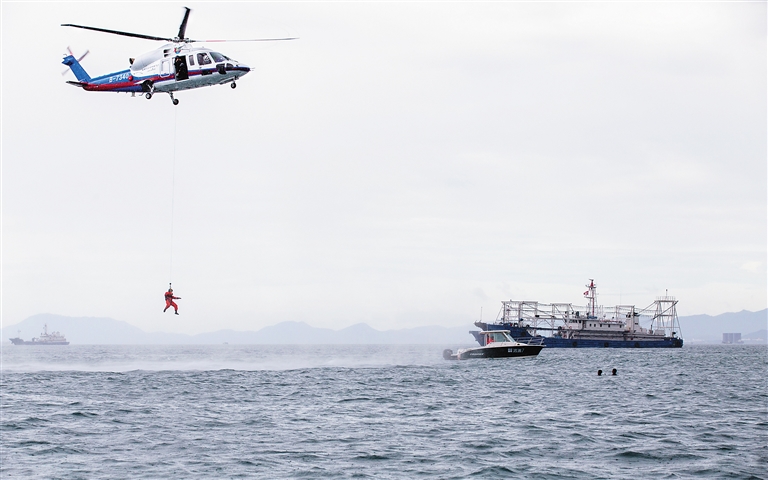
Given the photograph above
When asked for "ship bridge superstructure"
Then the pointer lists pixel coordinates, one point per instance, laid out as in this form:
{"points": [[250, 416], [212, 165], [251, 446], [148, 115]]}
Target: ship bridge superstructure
{"points": [[563, 319]]}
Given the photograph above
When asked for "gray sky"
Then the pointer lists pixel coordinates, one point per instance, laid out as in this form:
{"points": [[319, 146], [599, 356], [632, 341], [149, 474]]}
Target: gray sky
{"points": [[401, 164]]}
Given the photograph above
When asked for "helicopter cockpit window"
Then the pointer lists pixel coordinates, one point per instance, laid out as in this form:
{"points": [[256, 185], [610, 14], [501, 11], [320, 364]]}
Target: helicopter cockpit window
{"points": [[217, 57], [191, 59], [203, 59]]}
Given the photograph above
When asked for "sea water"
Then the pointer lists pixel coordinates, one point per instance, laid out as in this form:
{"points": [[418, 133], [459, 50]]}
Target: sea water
{"points": [[233, 411]]}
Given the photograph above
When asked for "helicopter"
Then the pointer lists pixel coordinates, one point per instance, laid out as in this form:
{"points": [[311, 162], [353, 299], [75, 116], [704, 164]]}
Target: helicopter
{"points": [[177, 65]]}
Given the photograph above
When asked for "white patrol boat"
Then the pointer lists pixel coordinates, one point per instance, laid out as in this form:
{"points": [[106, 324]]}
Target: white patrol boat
{"points": [[498, 344]]}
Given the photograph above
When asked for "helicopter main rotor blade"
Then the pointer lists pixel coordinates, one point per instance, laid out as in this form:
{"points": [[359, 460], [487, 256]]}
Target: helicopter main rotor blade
{"points": [[117, 32], [250, 40], [183, 26]]}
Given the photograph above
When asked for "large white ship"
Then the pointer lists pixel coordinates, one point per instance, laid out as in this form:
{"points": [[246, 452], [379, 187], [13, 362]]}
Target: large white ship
{"points": [[45, 338], [565, 326]]}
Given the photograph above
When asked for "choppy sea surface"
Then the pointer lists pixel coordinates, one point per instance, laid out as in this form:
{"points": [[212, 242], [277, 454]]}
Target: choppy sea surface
{"points": [[233, 411]]}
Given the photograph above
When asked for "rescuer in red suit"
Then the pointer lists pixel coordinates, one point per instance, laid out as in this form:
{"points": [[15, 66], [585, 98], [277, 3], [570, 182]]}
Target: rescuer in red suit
{"points": [[169, 301]]}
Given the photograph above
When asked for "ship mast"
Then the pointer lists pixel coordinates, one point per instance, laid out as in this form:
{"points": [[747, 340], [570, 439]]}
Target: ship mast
{"points": [[591, 295]]}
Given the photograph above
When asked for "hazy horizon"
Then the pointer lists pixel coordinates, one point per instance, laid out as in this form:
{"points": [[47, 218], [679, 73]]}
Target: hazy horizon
{"points": [[696, 329]]}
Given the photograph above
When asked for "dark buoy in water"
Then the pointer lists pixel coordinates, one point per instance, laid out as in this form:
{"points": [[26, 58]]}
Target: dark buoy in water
{"points": [[613, 372], [599, 373]]}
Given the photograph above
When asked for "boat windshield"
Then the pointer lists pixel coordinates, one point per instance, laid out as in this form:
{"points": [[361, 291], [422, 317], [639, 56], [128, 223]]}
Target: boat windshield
{"points": [[498, 337]]}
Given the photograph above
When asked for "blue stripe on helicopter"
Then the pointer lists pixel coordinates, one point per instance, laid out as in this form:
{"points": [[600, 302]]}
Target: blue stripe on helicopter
{"points": [[123, 81]]}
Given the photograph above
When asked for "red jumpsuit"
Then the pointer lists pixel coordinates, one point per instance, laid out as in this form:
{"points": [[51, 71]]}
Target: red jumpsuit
{"points": [[169, 302]]}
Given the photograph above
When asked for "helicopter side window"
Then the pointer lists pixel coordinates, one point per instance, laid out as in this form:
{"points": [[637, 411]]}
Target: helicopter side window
{"points": [[203, 59], [192, 60], [217, 57]]}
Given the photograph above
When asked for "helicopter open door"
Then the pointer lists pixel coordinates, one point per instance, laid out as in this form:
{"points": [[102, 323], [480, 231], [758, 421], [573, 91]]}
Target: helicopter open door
{"points": [[180, 66]]}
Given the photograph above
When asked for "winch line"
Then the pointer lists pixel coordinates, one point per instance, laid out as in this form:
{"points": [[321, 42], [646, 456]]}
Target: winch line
{"points": [[173, 194]]}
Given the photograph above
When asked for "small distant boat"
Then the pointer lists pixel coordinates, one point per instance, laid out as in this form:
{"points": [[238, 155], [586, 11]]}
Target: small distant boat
{"points": [[45, 338], [498, 344]]}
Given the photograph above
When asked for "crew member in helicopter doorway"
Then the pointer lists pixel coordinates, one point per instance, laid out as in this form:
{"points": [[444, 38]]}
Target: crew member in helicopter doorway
{"points": [[169, 301]]}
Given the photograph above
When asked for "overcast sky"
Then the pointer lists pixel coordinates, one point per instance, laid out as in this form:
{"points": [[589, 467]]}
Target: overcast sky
{"points": [[402, 164]]}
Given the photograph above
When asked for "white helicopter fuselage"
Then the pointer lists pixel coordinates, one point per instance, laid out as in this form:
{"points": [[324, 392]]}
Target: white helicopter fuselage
{"points": [[172, 68], [167, 69]]}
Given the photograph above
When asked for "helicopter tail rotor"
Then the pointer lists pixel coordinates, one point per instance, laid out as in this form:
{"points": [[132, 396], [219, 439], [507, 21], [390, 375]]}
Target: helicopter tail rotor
{"points": [[74, 65], [69, 51]]}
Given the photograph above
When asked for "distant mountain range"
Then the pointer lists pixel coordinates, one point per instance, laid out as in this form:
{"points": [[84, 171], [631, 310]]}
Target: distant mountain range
{"points": [[106, 331], [709, 329]]}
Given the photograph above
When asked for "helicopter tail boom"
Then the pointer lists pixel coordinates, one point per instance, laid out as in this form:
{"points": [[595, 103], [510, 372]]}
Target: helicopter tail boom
{"points": [[76, 68]]}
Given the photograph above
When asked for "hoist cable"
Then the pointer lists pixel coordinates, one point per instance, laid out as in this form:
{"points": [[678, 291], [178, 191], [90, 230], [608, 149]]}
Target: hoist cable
{"points": [[173, 192]]}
